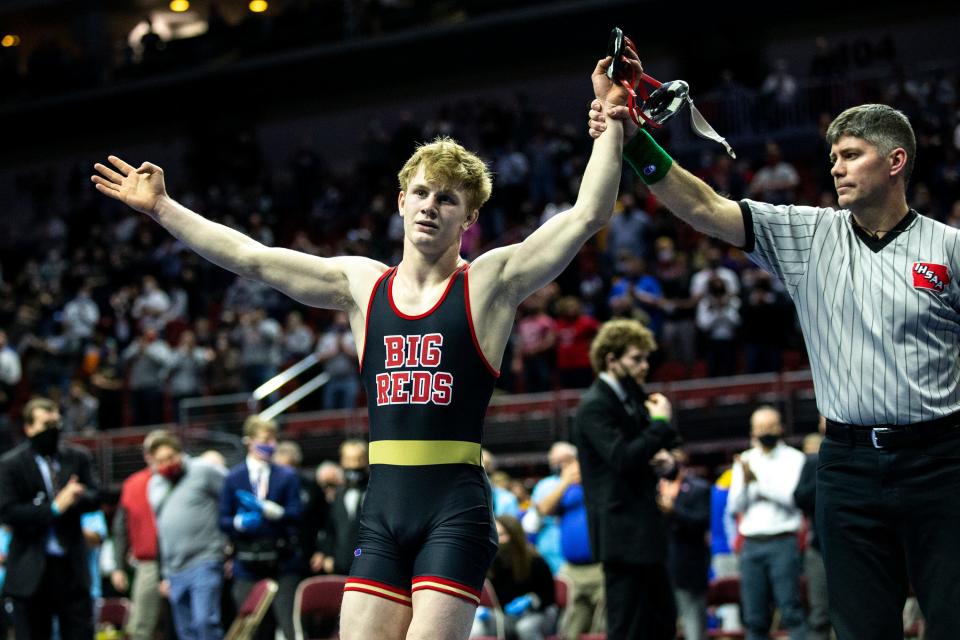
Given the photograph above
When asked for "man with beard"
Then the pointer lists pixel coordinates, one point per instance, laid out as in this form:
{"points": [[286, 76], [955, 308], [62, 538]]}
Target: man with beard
{"points": [[618, 431], [45, 486]]}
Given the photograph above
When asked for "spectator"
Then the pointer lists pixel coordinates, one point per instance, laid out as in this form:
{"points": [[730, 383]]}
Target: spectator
{"points": [[261, 512], [298, 338], [574, 330], [761, 491], [685, 500], [628, 229], [718, 316], [523, 582], [316, 509], [776, 181], [10, 373], [80, 316], [642, 288], [678, 305], [536, 521], [504, 502], [767, 318], [343, 526], [259, 338], [618, 429], [146, 358], [538, 337], [714, 268], [565, 503], [135, 544], [45, 487], [329, 478], [151, 306], [337, 351], [184, 495], [224, 372], [94, 526], [5, 537], [185, 368], [80, 409]]}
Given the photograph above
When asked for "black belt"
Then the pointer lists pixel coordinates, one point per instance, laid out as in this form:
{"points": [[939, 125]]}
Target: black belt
{"points": [[767, 537], [892, 436]]}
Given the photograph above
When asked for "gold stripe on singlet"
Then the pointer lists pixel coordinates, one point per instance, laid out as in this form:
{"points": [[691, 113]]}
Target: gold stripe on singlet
{"points": [[424, 452]]}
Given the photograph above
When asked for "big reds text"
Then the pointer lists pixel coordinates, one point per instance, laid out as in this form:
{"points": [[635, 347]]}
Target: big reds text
{"points": [[399, 385]]}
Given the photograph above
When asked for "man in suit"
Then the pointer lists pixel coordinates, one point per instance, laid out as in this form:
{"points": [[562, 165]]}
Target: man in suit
{"points": [[343, 526], [260, 510], [45, 486], [618, 430]]}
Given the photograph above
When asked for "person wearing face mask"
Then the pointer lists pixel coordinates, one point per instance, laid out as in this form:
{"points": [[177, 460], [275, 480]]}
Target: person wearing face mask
{"points": [[45, 487], [343, 525], [684, 499], [183, 493], [761, 493], [260, 510], [618, 430]]}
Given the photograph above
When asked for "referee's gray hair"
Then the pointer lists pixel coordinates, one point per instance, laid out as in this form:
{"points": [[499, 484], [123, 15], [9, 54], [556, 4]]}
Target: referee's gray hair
{"points": [[884, 127]]}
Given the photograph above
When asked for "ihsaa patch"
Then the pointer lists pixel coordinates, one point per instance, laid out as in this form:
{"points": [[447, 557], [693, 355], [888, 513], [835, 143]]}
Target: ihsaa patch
{"points": [[357, 552], [927, 275]]}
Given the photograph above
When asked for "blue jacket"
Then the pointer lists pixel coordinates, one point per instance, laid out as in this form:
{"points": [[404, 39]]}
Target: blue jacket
{"points": [[284, 489]]}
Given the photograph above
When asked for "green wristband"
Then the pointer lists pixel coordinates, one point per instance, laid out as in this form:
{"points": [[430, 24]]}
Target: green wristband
{"points": [[647, 158]]}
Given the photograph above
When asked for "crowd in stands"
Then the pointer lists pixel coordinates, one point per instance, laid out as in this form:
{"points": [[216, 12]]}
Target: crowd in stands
{"points": [[103, 310]]}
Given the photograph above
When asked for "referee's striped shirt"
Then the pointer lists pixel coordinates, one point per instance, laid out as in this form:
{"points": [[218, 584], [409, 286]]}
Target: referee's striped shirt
{"points": [[881, 317]]}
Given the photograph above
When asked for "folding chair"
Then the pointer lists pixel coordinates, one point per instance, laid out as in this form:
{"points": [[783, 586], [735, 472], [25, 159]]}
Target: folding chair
{"points": [[251, 612], [488, 599], [561, 593], [318, 597], [114, 611], [724, 591]]}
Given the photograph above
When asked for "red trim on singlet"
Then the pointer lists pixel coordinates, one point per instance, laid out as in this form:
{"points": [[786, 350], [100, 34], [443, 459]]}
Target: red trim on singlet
{"points": [[366, 320], [473, 597], [432, 309], [360, 585], [473, 330]]}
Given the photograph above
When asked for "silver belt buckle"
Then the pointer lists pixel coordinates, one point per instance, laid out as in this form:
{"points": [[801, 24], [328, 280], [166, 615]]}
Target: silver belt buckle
{"points": [[873, 436]]}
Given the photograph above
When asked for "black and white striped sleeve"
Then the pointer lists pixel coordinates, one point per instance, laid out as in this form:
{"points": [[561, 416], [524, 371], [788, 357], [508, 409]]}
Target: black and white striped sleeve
{"points": [[778, 237]]}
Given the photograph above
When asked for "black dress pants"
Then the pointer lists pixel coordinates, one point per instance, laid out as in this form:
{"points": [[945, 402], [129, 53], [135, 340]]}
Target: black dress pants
{"points": [[61, 594], [889, 518], [640, 604]]}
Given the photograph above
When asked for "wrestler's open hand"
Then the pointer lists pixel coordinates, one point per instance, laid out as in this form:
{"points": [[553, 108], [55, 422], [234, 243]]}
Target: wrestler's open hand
{"points": [[141, 189], [597, 119]]}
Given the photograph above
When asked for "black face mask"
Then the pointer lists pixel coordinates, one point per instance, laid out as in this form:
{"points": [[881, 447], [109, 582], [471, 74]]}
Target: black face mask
{"points": [[669, 473], [46, 442], [768, 440], [632, 388], [356, 477]]}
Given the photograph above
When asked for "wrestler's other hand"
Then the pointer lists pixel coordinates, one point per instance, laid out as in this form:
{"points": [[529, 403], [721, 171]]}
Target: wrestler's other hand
{"points": [[141, 189]]}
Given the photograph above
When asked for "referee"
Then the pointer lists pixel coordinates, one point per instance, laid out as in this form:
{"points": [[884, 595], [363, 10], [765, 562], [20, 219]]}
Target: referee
{"points": [[874, 284]]}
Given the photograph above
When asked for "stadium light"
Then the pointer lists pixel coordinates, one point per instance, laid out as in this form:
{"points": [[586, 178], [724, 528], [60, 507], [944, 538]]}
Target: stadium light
{"points": [[258, 6], [10, 40], [179, 6]]}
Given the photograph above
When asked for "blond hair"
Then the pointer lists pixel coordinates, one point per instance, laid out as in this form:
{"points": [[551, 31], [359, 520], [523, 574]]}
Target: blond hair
{"points": [[255, 424], [446, 162], [616, 336]]}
